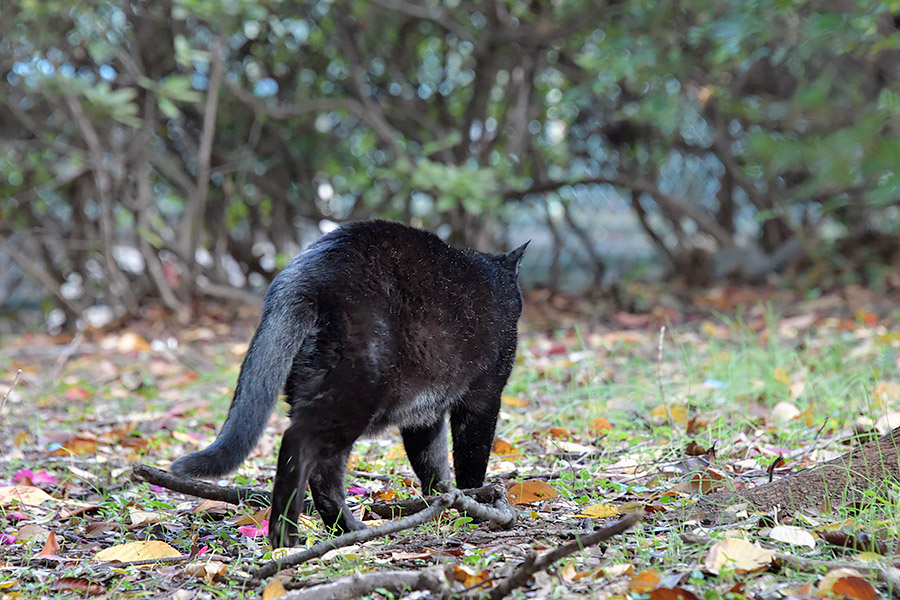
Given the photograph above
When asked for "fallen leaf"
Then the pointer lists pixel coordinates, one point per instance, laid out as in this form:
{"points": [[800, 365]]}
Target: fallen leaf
{"points": [[644, 581], [671, 594], [206, 571], [79, 584], [792, 535], [32, 532], [529, 491], [600, 425], [77, 393], [133, 551], [275, 589], [51, 547], [738, 555], [559, 432], [145, 517], [513, 401], [23, 494], [385, 495], [77, 445], [679, 414], [598, 511], [854, 587], [505, 449], [784, 411], [781, 375], [469, 576]]}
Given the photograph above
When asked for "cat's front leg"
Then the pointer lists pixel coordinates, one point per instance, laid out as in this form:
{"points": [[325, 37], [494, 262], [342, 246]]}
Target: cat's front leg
{"points": [[427, 451]]}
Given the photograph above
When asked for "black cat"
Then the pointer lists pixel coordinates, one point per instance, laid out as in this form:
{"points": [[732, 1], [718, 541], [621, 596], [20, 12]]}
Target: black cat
{"points": [[375, 324]]}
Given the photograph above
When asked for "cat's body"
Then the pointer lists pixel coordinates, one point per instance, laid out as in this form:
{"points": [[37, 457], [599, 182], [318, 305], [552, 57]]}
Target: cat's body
{"points": [[375, 324]]}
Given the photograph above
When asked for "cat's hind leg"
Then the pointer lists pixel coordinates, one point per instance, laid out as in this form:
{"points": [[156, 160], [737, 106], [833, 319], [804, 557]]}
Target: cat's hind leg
{"points": [[288, 493], [427, 450], [327, 487], [472, 422]]}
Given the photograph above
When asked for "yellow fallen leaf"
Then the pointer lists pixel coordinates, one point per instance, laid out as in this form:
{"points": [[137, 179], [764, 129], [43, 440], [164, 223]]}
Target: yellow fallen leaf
{"points": [[529, 491], [781, 375], [644, 581], [679, 414], [275, 589], [133, 551], [468, 575], [738, 555], [23, 494], [599, 425], [598, 511], [513, 401], [792, 535]]}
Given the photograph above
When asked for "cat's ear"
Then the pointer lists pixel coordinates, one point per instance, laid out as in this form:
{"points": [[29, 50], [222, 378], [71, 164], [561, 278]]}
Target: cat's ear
{"points": [[513, 257]]}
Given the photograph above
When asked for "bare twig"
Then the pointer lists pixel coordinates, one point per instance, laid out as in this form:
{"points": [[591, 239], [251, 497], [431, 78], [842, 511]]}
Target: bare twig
{"points": [[201, 489], [9, 391], [662, 391], [453, 498], [389, 510], [532, 564], [433, 579], [64, 356]]}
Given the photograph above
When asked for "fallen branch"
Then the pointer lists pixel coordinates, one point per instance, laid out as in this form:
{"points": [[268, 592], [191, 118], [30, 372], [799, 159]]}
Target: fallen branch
{"points": [[201, 489], [532, 563], [485, 494], [396, 583], [453, 498]]}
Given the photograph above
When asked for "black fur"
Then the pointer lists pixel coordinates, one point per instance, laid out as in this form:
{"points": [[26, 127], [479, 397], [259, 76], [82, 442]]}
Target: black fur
{"points": [[375, 324]]}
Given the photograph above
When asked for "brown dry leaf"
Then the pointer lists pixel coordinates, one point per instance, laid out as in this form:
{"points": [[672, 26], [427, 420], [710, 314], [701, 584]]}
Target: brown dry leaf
{"points": [[559, 433], [854, 587], [468, 575], [598, 511], [79, 584], [133, 551], [34, 532], [675, 593], [185, 438], [513, 401], [600, 425], [255, 519], [51, 547], [213, 507], [505, 449], [78, 445], [275, 589], [530, 491], [206, 571], [831, 578], [385, 495], [644, 581], [792, 535], [737, 554], [410, 555], [23, 494]]}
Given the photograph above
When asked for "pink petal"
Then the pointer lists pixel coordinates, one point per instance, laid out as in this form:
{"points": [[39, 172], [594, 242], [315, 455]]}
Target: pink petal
{"points": [[24, 474], [7, 539]]}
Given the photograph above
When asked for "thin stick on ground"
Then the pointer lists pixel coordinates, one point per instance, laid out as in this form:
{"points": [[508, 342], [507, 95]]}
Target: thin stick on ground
{"points": [[8, 392], [201, 489], [662, 390], [454, 498], [532, 564]]}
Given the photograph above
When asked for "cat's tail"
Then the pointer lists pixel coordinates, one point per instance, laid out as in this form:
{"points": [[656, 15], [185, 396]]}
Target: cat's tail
{"points": [[287, 319]]}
